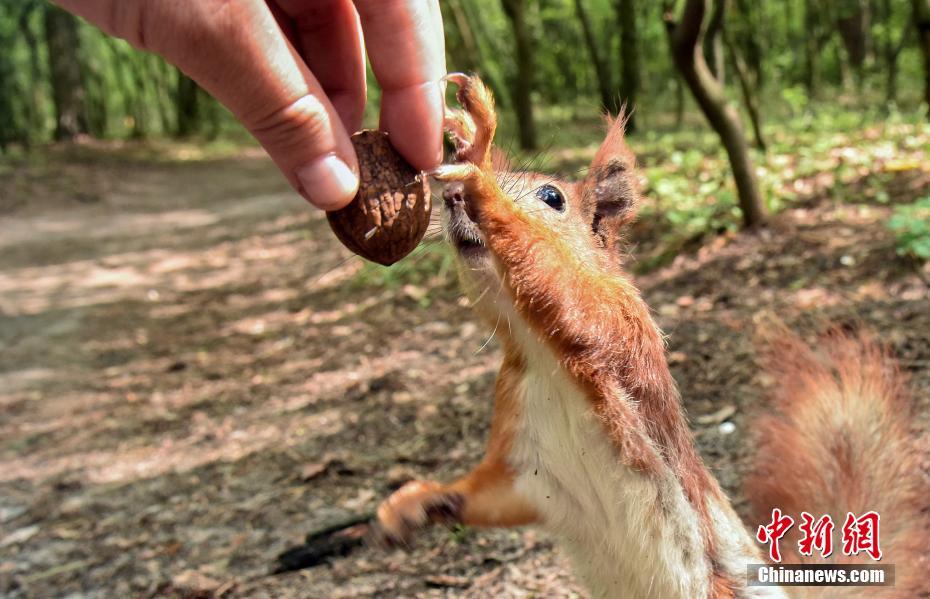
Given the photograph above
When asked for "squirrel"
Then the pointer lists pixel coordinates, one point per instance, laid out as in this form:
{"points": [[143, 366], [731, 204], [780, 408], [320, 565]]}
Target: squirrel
{"points": [[588, 436]]}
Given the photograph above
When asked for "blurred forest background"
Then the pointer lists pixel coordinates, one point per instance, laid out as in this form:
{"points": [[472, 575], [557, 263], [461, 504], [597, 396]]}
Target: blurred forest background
{"points": [[773, 79], [194, 374]]}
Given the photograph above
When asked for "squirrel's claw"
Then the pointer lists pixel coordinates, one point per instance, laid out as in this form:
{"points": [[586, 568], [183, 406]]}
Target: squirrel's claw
{"points": [[478, 103], [459, 79], [413, 507], [461, 130], [461, 171]]}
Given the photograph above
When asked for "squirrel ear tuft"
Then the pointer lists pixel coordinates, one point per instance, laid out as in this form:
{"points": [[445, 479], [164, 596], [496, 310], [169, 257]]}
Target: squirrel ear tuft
{"points": [[610, 191]]}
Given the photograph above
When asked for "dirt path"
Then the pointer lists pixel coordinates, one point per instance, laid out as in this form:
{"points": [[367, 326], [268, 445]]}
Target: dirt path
{"points": [[193, 375]]}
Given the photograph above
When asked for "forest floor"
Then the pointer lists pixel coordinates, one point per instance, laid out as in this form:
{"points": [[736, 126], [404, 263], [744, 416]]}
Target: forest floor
{"points": [[194, 374]]}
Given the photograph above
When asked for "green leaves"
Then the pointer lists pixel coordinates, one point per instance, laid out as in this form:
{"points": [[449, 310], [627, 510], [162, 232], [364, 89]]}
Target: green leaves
{"points": [[911, 226]]}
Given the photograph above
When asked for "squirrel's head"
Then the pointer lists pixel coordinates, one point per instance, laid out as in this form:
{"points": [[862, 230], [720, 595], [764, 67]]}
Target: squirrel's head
{"points": [[584, 220]]}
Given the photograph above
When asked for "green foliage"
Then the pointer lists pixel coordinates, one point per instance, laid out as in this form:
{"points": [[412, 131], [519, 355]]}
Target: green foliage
{"points": [[459, 533], [129, 94], [911, 226], [816, 120], [849, 155]]}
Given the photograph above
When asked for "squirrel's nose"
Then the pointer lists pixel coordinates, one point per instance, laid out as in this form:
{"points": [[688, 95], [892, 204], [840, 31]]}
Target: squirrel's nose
{"points": [[454, 194]]}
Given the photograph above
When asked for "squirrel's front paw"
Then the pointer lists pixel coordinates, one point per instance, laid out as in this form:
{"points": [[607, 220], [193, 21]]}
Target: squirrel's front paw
{"points": [[473, 127], [415, 506]]}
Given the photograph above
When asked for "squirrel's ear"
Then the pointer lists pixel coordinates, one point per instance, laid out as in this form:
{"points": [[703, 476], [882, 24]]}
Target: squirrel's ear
{"points": [[610, 192]]}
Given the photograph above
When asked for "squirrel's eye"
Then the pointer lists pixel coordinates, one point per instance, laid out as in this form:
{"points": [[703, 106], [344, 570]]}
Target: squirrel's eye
{"points": [[551, 196]]}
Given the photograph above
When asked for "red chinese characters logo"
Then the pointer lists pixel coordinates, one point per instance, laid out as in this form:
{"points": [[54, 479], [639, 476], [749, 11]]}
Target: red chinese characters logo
{"points": [[817, 535], [773, 532], [861, 534]]}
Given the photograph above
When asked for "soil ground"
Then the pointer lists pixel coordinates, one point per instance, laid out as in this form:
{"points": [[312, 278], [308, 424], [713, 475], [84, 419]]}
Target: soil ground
{"points": [[194, 374]]}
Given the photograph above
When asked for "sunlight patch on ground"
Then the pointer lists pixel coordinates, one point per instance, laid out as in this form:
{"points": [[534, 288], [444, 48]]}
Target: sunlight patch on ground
{"points": [[209, 442]]}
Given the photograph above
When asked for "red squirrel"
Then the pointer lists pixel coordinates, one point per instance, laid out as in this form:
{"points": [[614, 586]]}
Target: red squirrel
{"points": [[588, 437]]}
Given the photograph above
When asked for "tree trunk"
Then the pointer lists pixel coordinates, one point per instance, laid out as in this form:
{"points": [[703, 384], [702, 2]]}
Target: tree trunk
{"points": [[629, 59], [215, 113], [523, 90], [748, 42], [811, 50], [469, 56], [844, 67], [35, 102], [61, 34], [852, 22], [487, 45], [685, 42], [922, 22], [750, 98], [141, 120], [8, 126], [187, 106], [601, 67], [713, 42], [164, 75], [891, 51]]}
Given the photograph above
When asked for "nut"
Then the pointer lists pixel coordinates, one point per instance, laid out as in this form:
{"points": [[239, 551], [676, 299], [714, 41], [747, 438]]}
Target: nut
{"points": [[390, 213]]}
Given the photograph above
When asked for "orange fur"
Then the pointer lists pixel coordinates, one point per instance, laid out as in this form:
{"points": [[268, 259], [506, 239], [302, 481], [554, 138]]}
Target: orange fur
{"points": [[575, 295], [483, 497], [838, 440], [842, 437]]}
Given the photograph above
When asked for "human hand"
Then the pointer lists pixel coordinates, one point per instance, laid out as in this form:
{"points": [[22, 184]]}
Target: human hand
{"points": [[293, 72]]}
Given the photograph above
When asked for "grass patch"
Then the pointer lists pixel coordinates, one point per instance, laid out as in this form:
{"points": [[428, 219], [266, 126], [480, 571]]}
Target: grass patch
{"points": [[911, 227]]}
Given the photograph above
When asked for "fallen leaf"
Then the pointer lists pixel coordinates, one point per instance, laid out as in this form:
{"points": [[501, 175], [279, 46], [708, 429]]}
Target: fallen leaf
{"points": [[440, 581], [677, 357], [718, 416], [20, 535], [313, 470]]}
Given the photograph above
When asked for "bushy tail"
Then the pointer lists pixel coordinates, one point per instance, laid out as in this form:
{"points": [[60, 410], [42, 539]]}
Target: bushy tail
{"points": [[839, 439]]}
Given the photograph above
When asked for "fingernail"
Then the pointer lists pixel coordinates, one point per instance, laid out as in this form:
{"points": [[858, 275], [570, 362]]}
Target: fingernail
{"points": [[328, 183]]}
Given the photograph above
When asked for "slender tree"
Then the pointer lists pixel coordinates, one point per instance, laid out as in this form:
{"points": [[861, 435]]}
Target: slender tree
{"points": [[685, 41], [746, 40], [713, 41], [811, 49], [523, 82], [68, 95], [598, 59], [9, 128], [891, 49], [922, 22], [487, 44], [187, 106], [747, 91], [852, 23], [35, 97], [629, 59]]}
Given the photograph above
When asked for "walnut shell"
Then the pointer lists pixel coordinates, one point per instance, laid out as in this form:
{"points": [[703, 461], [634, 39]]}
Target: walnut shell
{"points": [[390, 213]]}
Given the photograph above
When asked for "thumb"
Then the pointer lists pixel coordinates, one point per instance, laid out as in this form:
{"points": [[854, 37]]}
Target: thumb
{"points": [[237, 52]]}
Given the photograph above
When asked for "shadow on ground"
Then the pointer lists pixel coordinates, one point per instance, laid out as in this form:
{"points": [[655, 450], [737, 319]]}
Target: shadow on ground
{"points": [[193, 375]]}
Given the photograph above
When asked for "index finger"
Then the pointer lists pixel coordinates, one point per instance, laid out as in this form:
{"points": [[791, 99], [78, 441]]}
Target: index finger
{"points": [[407, 53]]}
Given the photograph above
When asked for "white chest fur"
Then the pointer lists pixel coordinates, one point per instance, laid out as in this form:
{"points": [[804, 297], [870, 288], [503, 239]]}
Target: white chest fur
{"points": [[628, 534]]}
